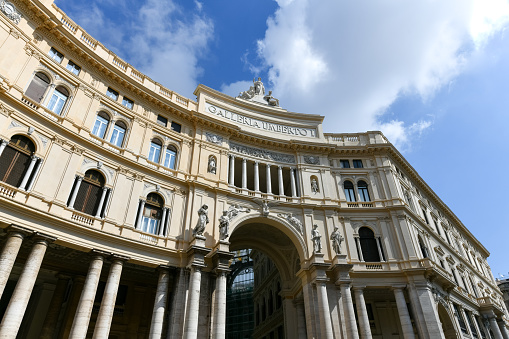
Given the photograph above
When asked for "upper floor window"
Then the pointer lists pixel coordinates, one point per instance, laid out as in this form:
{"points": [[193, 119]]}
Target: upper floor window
{"points": [[369, 245], [101, 124], [162, 120], [176, 127], [152, 214], [425, 214], [349, 191], [344, 163], [424, 249], [128, 103], [170, 157], [55, 55], [71, 66], [15, 159], [89, 193], [112, 94], [357, 164], [154, 153], [362, 187], [118, 133], [38, 87], [58, 100]]}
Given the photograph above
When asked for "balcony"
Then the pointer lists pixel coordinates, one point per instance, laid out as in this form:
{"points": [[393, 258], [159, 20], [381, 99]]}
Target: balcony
{"points": [[438, 274]]}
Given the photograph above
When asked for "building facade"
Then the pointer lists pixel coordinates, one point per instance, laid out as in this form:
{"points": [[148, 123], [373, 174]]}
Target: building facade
{"points": [[121, 203]]}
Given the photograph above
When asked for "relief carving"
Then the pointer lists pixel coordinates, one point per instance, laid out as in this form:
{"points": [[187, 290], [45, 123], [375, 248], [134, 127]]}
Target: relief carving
{"points": [[263, 154]]}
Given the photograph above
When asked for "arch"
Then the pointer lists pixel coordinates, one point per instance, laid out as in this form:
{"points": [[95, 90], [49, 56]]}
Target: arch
{"points": [[89, 192], [349, 190], [118, 133], [152, 213], [15, 159], [447, 323], [102, 121], [58, 99], [170, 156], [38, 86], [369, 246], [97, 166], [362, 188]]}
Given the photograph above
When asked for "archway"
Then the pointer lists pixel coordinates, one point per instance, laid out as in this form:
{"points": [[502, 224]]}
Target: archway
{"points": [[447, 323], [263, 272]]}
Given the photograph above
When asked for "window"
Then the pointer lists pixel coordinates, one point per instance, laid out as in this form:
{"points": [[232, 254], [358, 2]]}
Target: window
{"points": [[15, 159], [112, 94], [349, 191], [58, 100], [154, 153], [89, 192], [152, 213], [71, 66], [424, 249], [362, 187], [162, 120], [176, 127], [369, 245], [128, 103], [344, 163], [170, 157], [38, 87], [101, 124], [461, 321], [117, 136], [357, 164], [55, 55], [425, 214]]}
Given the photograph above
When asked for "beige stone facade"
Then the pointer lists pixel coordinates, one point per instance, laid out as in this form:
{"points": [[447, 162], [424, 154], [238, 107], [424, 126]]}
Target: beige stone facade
{"points": [[120, 202]]}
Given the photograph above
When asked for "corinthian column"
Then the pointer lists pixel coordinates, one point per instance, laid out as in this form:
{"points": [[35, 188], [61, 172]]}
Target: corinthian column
{"points": [[232, 170], [256, 177], [244, 173], [280, 179], [101, 202], [267, 177], [494, 327]]}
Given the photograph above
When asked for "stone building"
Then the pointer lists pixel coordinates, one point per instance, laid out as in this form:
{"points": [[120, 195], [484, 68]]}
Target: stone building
{"points": [[121, 203]]}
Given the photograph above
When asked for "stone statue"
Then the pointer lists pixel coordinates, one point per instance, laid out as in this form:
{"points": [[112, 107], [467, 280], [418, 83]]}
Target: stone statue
{"points": [[314, 185], [317, 241], [292, 220], [249, 94], [271, 100], [336, 239], [212, 165], [258, 87], [227, 217], [265, 205], [256, 93], [203, 220]]}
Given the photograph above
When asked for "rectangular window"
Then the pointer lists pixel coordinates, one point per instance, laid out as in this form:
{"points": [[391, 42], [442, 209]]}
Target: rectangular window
{"points": [[71, 66], [112, 94], [344, 163], [176, 127], [117, 135], [128, 103], [162, 121], [57, 102], [100, 127], [425, 216], [461, 321], [357, 164], [154, 153], [56, 55]]}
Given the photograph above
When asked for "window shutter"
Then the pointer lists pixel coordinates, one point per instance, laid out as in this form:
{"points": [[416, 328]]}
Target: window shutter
{"points": [[36, 89], [87, 198], [13, 166]]}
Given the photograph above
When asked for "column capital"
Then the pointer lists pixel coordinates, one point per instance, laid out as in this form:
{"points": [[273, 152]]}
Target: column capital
{"points": [[41, 237], [359, 288], [119, 258], [398, 287], [16, 230], [98, 253], [244, 160]]}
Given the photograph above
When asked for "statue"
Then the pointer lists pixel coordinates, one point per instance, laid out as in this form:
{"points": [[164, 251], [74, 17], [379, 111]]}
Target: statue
{"points": [[249, 94], [228, 215], [292, 220], [336, 239], [203, 220], [256, 93], [258, 87], [316, 238], [314, 185], [271, 100], [212, 165], [265, 205]]}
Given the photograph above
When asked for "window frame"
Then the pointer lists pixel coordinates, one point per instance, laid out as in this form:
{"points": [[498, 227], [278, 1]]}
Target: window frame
{"points": [[52, 104], [55, 55], [108, 121], [116, 132], [112, 94], [126, 102], [356, 163], [170, 157], [350, 191], [73, 68], [155, 148]]}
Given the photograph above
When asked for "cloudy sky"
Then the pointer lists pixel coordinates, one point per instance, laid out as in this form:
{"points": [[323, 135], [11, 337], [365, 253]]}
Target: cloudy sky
{"points": [[431, 75]]}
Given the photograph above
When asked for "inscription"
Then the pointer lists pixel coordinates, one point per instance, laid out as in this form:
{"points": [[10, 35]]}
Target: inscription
{"points": [[261, 153], [263, 125]]}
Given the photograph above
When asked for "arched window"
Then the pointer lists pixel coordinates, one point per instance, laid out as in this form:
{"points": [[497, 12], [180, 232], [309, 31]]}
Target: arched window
{"points": [[15, 160], [152, 213], [101, 124], [38, 87], [118, 133], [369, 245], [362, 187], [89, 192], [424, 249], [349, 191], [170, 157], [154, 154], [58, 100]]}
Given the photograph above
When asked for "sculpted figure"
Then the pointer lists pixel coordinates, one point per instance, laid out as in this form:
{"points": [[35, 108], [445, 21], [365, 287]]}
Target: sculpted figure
{"points": [[212, 165], [336, 239], [203, 220], [314, 186], [249, 94], [317, 241], [258, 87], [292, 220], [224, 223], [271, 100]]}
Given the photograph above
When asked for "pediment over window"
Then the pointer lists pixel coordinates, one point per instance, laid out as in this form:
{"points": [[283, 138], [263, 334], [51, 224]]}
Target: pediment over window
{"points": [[439, 250]]}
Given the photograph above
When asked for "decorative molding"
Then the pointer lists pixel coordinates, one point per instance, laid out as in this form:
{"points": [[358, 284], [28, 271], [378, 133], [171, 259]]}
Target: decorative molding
{"points": [[213, 138], [10, 11], [15, 123], [292, 220], [261, 153], [311, 159], [57, 76]]}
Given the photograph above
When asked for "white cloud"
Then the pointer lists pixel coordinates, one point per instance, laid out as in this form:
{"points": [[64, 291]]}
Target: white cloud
{"points": [[235, 88]]}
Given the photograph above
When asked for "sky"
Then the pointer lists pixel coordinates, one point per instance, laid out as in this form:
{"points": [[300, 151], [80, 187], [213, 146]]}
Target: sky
{"points": [[432, 75]]}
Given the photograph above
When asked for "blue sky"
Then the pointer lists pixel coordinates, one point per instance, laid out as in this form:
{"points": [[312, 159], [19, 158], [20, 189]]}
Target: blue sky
{"points": [[433, 76]]}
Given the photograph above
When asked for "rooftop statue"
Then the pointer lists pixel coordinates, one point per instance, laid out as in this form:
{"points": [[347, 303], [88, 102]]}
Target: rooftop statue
{"points": [[256, 93]]}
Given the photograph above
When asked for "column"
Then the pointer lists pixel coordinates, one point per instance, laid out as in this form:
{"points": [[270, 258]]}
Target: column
{"points": [[404, 316], [494, 327], [36, 172], [219, 326], [301, 318], [84, 310], [256, 177], [75, 192], [163, 222], [380, 253], [140, 214], [10, 251], [362, 313], [17, 305], [503, 329], [323, 307], [346, 296], [269, 182], [232, 170], [280, 179], [54, 308], [244, 173], [101, 202], [358, 243], [193, 306], [2, 146], [292, 182], [103, 323], [28, 172], [156, 326]]}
